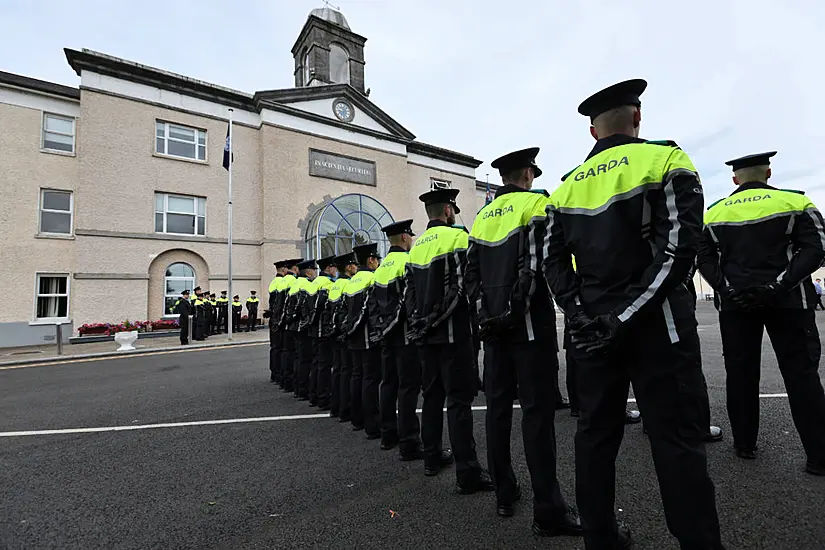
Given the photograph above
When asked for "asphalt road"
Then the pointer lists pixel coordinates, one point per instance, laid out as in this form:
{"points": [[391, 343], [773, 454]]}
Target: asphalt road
{"points": [[312, 482]]}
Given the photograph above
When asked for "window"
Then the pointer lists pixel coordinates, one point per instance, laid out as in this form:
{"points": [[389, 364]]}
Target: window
{"points": [[180, 141], [348, 221], [439, 184], [306, 68], [52, 300], [55, 212], [338, 64], [58, 133], [179, 277], [179, 214]]}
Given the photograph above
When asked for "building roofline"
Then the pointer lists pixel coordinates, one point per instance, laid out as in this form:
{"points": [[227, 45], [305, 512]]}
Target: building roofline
{"points": [[43, 86], [482, 185], [443, 154], [328, 25]]}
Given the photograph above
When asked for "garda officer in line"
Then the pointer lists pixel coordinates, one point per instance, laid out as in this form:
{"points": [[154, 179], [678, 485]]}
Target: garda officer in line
{"points": [[335, 317], [400, 366], [223, 312], [306, 305], [275, 335], [366, 356], [440, 322], [237, 308], [321, 373], [252, 311], [288, 336], [183, 307], [199, 330], [631, 214], [303, 352], [759, 248], [517, 323]]}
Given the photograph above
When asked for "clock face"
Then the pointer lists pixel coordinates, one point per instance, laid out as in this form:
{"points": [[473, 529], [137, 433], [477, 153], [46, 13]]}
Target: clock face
{"points": [[343, 110]]}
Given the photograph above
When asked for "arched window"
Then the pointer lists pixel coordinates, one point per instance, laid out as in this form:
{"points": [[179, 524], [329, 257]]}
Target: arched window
{"points": [[349, 220], [179, 277], [338, 65], [306, 68]]}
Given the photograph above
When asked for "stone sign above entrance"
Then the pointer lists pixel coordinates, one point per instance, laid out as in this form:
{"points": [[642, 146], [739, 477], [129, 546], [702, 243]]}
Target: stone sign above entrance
{"points": [[339, 167]]}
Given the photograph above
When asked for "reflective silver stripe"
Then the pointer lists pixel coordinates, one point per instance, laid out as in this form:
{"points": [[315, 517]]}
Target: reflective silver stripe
{"points": [[671, 324], [789, 253], [499, 242], [814, 214], [751, 222], [612, 200], [431, 260], [534, 260], [713, 234], [528, 320], [670, 201], [790, 225], [450, 329], [649, 292]]}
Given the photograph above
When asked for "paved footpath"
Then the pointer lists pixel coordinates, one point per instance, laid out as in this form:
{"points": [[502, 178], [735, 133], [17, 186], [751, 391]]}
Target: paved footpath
{"points": [[195, 449]]}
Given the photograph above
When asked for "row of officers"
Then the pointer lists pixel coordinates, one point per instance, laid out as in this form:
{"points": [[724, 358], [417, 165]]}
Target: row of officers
{"points": [[615, 246], [210, 315]]}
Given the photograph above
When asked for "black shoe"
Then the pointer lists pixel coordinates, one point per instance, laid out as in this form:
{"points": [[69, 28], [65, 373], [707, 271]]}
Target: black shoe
{"points": [[623, 538], [357, 427], [373, 437], [325, 408], [505, 509], [483, 483], [714, 435], [574, 412], [410, 456], [563, 404], [748, 453], [445, 460], [632, 417], [388, 445], [817, 469], [303, 398], [567, 525], [343, 419]]}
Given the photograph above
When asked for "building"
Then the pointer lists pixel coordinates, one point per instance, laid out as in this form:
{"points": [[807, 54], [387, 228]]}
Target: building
{"points": [[116, 198]]}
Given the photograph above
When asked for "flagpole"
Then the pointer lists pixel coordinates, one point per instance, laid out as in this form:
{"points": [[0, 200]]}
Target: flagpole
{"points": [[229, 232]]}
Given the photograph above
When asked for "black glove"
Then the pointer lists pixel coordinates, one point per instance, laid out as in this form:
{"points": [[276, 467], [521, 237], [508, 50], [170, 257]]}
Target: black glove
{"points": [[267, 314], [578, 321], [416, 329], [375, 337], [764, 295], [598, 334], [494, 327]]}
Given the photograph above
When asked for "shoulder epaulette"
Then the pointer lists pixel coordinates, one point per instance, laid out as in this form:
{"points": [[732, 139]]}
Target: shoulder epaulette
{"points": [[665, 142], [564, 177], [715, 203], [798, 192], [540, 192]]}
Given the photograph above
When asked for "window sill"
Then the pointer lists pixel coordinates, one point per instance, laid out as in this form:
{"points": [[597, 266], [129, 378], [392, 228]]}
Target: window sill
{"points": [[43, 322], [182, 159], [181, 235], [58, 153], [58, 236]]}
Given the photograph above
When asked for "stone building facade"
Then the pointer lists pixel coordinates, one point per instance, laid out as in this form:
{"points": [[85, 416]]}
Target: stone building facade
{"points": [[116, 197]]}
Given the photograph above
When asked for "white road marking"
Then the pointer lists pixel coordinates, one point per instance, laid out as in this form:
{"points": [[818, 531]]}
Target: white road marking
{"points": [[228, 421]]}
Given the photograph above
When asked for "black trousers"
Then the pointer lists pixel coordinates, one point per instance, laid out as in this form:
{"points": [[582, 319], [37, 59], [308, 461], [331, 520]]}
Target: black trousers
{"points": [[288, 360], [222, 319], [199, 332], [251, 318], [366, 378], [448, 374], [324, 377], [275, 352], [521, 369], [401, 384], [344, 382], [303, 362], [795, 341], [312, 383], [184, 329], [236, 323], [670, 391]]}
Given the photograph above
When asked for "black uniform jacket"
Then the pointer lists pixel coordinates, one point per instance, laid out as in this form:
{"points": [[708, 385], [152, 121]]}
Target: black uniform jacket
{"points": [[761, 234], [387, 316]]}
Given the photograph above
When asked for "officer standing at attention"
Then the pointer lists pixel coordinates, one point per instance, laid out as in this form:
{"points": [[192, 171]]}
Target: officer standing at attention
{"points": [[631, 214], [335, 319], [252, 311], [199, 330], [366, 356], [223, 312], [288, 356], [321, 373], [306, 301], [275, 335], [237, 308], [183, 307], [439, 319], [292, 310], [400, 365], [758, 250], [517, 323]]}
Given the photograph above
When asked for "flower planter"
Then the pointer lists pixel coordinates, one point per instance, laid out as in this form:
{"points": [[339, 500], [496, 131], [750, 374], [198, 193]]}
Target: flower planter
{"points": [[94, 331]]}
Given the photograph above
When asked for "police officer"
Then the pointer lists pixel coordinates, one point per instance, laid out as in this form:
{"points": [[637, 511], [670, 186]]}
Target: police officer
{"points": [[306, 301], [366, 356], [335, 320], [282, 324], [252, 311], [518, 327], [758, 250], [199, 331], [223, 311], [275, 335], [302, 357], [631, 215], [183, 307], [237, 309], [400, 365], [439, 319], [321, 373]]}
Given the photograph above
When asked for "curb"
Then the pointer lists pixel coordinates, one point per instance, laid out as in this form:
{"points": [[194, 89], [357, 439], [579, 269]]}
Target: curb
{"points": [[119, 354]]}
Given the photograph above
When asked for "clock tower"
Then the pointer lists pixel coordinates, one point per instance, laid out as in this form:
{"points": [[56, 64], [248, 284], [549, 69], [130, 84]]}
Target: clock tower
{"points": [[328, 52]]}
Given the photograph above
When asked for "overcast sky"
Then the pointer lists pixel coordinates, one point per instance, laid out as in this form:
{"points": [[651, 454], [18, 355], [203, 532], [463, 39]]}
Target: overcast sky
{"points": [[726, 77]]}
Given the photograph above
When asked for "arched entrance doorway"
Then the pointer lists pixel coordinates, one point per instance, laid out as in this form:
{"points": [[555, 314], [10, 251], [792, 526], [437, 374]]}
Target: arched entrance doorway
{"points": [[348, 221]]}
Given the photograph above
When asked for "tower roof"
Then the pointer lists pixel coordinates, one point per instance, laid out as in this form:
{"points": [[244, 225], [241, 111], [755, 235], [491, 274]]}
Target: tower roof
{"points": [[331, 15]]}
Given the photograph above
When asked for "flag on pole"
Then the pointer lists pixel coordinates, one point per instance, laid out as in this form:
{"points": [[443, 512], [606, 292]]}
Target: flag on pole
{"points": [[490, 195], [227, 148]]}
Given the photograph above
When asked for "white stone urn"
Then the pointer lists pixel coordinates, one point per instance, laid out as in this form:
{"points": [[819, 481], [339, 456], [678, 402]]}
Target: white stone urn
{"points": [[126, 340]]}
